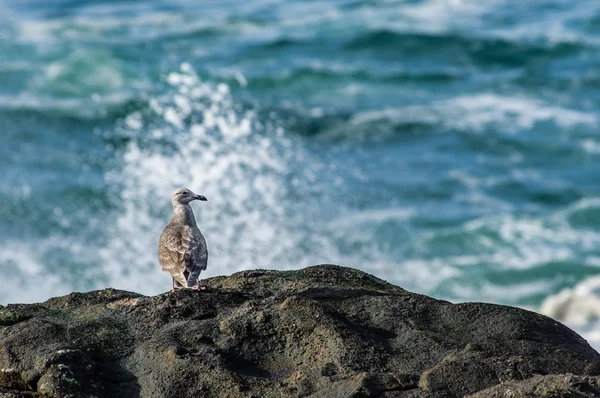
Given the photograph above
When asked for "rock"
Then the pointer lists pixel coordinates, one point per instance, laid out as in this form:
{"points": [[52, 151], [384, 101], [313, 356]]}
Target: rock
{"points": [[564, 385], [324, 331]]}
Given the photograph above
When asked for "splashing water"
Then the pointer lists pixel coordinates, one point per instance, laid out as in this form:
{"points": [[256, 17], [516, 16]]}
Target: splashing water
{"points": [[210, 144]]}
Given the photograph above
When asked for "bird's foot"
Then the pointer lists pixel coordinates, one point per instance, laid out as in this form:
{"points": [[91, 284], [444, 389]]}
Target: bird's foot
{"points": [[197, 286]]}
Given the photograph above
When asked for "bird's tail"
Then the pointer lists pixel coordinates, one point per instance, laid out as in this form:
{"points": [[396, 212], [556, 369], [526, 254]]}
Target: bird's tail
{"points": [[194, 275]]}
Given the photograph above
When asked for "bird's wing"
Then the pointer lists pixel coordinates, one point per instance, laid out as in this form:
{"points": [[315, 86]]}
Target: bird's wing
{"points": [[196, 254], [196, 258], [180, 248], [171, 251]]}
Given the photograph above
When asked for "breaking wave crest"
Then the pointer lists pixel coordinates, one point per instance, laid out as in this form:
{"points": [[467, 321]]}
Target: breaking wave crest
{"points": [[579, 307]]}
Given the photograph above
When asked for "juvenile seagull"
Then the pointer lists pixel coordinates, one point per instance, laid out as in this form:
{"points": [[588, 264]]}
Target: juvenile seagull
{"points": [[182, 248]]}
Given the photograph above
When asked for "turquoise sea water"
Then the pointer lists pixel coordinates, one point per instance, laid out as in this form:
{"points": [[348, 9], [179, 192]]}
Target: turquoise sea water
{"points": [[449, 146]]}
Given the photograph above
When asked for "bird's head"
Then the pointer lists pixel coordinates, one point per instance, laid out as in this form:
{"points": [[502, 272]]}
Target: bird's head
{"points": [[184, 196]]}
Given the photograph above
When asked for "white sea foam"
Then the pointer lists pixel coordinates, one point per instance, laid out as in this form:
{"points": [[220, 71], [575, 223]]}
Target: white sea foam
{"points": [[555, 25], [83, 107], [429, 16], [577, 305], [443, 15], [477, 112], [24, 277], [131, 27], [511, 113], [83, 83], [81, 73], [591, 146], [495, 293], [84, 26], [372, 216]]}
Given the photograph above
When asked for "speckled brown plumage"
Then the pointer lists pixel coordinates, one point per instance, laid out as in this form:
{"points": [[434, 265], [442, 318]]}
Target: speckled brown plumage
{"points": [[182, 249]]}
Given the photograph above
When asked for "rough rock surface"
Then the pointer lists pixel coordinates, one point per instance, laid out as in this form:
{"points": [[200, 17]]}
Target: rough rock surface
{"points": [[324, 331], [565, 385]]}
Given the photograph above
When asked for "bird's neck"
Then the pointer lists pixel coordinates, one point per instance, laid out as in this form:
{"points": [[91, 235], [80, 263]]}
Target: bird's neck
{"points": [[184, 213]]}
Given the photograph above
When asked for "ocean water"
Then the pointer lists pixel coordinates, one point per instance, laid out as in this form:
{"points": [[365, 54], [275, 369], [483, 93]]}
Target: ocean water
{"points": [[448, 146]]}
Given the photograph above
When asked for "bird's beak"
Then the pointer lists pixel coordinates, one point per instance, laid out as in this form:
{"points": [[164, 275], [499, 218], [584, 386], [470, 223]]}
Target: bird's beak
{"points": [[200, 197]]}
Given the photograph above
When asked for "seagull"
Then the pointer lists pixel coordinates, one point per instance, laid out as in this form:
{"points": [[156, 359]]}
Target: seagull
{"points": [[182, 250]]}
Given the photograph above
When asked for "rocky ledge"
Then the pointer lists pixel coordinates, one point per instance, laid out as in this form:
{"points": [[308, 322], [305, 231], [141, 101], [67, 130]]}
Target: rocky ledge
{"points": [[324, 331]]}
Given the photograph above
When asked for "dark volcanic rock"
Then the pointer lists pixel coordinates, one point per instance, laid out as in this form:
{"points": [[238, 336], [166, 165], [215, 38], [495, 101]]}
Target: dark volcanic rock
{"points": [[323, 331], [565, 385]]}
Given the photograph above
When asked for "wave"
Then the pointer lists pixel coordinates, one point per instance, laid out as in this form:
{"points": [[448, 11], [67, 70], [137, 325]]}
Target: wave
{"points": [[510, 112], [472, 114], [479, 50], [99, 108], [140, 28], [316, 75], [579, 307], [557, 22], [525, 255], [84, 84]]}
